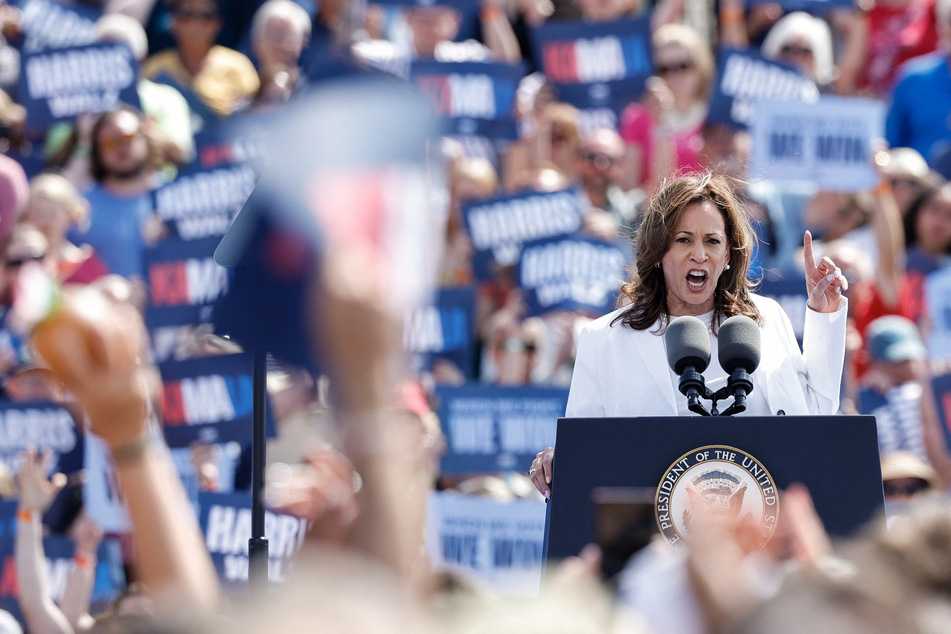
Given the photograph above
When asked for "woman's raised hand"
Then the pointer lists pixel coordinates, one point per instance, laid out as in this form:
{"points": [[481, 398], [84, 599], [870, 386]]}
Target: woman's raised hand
{"points": [[37, 490], [824, 281]]}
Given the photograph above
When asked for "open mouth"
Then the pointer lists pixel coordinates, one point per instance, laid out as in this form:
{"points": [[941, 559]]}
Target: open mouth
{"points": [[696, 279]]}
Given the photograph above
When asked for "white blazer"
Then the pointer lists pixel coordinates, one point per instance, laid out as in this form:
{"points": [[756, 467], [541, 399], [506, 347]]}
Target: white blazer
{"points": [[620, 371]]}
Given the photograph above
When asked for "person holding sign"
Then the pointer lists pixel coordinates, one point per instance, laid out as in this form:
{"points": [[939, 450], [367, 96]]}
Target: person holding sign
{"points": [[691, 258], [663, 132]]}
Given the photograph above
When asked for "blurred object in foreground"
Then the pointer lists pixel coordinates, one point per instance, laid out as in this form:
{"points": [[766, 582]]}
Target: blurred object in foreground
{"points": [[348, 173]]}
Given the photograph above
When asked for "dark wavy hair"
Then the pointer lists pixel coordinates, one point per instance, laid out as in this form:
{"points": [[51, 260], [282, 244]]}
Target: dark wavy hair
{"points": [[154, 159], [911, 217], [647, 289]]}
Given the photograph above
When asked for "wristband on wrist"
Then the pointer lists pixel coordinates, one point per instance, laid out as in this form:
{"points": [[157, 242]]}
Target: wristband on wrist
{"points": [[491, 12], [731, 16], [84, 562], [25, 516], [131, 452]]}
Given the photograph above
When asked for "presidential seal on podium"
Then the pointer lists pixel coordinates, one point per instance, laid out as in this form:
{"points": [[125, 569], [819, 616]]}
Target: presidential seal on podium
{"points": [[716, 484]]}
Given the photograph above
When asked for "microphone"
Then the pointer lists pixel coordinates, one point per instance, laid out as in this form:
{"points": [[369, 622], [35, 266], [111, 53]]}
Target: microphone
{"points": [[738, 349], [688, 354]]}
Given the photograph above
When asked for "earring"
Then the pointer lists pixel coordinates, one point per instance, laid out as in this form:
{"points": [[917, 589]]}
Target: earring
{"points": [[657, 265], [727, 267]]}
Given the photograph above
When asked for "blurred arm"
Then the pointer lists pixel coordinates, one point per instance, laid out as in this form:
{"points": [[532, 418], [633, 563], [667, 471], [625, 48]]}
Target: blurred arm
{"points": [[890, 236], [36, 494], [498, 34], [82, 576], [96, 347]]}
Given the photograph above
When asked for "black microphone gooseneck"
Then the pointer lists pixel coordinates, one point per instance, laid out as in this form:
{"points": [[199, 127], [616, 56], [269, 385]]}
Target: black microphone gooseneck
{"points": [[688, 354], [738, 350]]}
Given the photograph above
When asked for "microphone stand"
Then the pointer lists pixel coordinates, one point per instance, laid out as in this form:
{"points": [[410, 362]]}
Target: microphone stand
{"points": [[691, 385], [739, 385]]}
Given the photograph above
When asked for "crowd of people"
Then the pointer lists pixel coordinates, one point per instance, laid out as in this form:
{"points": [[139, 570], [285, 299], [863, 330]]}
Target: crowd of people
{"points": [[79, 213]]}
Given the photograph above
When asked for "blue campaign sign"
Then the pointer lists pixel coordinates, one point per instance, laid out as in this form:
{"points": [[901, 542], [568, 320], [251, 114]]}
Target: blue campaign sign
{"points": [[43, 425], [608, 61], [208, 399], [184, 282], [572, 273], [226, 523], [601, 104], [941, 385], [491, 428], [818, 8], [747, 76], [240, 139], [47, 24], [59, 84], [478, 98], [789, 289], [468, 13], [499, 226], [587, 53], [443, 330], [202, 203], [8, 519]]}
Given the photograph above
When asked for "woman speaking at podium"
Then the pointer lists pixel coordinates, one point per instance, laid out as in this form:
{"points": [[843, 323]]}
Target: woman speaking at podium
{"points": [[691, 257]]}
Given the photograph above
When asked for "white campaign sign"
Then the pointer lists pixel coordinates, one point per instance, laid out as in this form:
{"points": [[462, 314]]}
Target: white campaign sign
{"points": [[828, 143], [499, 542]]}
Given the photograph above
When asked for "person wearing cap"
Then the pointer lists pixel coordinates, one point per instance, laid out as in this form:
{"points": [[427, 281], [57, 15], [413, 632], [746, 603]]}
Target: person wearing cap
{"points": [[894, 386], [908, 174], [31, 381], [907, 478]]}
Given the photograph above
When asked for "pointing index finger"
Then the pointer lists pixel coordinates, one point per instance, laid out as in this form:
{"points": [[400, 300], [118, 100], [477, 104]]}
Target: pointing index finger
{"points": [[808, 260]]}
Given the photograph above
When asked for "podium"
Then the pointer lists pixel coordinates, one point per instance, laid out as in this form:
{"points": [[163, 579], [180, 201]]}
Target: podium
{"points": [[835, 457]]}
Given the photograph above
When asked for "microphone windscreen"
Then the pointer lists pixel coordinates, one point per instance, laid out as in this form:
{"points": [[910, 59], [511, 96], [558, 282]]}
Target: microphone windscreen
{"points": [[688, 344], [738, 344]]}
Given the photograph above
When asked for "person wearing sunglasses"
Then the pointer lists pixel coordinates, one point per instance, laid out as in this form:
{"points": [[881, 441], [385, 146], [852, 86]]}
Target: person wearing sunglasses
{"points": [[25, 244], [909, 176], [124, 160], [54, 207], [662, 132], [907, 478], [217, 80], [804, 42], [600, 164]]}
